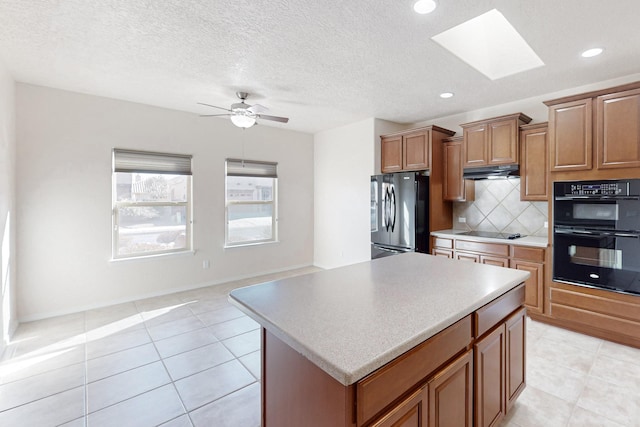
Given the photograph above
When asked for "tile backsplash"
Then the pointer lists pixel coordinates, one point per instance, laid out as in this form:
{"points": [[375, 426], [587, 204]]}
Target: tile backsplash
{"points": [[497, 207]]}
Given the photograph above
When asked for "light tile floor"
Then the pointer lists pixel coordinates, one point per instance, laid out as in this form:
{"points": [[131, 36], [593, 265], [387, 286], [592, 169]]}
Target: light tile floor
{"points": [[191, 359]]}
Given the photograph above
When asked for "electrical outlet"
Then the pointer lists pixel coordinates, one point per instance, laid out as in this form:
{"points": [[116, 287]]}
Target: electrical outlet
{"points": [[546, 224], [462, 219], [206, 264]]}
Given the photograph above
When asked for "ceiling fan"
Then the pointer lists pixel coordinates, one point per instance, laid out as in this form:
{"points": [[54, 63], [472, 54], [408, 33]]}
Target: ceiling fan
{"points": [[244, 115]]}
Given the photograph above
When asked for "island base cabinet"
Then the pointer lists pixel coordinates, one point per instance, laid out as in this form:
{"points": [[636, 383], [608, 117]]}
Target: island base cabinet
{"points": [[451, 395], [500, 367], [412, 412], [490, 370], [296, 392]]}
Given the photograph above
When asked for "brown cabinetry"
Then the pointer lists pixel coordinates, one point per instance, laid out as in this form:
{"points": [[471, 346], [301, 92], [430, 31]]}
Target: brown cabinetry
{"points": [[412, 412], [618, 130], [411, 150], [492, 141], [391, 153], [534, 175], [455, 188], [570, 130], [595, 131], [531, 259], [499, 370], [451, 395]]}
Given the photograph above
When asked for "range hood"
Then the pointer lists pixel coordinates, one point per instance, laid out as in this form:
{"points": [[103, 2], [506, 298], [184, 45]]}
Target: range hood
{"points": [[492, 172]]}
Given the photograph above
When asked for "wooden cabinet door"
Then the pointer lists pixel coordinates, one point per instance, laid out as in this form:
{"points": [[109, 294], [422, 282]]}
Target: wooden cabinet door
{"points": [[464, 256], [492, 260], [453, 185], [391, 154], [570, 136], [412, 412], [618, 130], [451, 394], [533, 285], [534, 173], [442, 252], [515, 357], [475, 145], [416, 151], [503, 142], [489, 363]]}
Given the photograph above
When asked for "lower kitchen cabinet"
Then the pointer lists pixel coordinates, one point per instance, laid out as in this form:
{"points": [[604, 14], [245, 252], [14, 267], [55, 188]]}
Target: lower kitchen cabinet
{"points": [[516, 356], [490, 371], [531, 260], [412, 412], [451, 394], [499, 361]]}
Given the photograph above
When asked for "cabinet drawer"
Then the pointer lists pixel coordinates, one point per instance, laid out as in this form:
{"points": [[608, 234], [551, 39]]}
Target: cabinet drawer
{"points": [[377, 391], [527, 254], [441, 242], [491, 314], [597, 304], [487, 248]]}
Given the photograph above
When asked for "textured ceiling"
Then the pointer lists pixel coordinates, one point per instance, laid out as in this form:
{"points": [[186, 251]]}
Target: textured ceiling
{"points": [[322, 63]]}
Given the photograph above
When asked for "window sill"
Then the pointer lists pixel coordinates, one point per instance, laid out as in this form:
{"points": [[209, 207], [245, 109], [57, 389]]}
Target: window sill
{"points": [[244, 245], [154, 256]]}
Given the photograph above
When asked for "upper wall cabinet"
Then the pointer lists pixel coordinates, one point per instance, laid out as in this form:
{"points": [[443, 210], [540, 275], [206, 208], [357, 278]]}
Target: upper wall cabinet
{"points": [[454, 187], [601, 128], [534, 176], [492, 141], [618, 129], [410, 150]]}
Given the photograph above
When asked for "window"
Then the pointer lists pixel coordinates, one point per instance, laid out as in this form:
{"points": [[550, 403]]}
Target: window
{"points": [[151, 203], [251, 212]]}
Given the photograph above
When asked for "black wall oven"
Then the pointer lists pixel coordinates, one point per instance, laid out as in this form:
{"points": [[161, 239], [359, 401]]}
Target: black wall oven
{"points": [[596, 234]]}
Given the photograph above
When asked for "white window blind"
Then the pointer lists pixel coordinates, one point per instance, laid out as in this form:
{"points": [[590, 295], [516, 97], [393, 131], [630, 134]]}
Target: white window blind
{"points": [[236, 167], [148, 162]]}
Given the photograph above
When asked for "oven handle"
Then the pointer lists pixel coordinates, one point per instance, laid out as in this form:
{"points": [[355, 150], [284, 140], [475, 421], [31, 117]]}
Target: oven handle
{"points": [[597, 233]]}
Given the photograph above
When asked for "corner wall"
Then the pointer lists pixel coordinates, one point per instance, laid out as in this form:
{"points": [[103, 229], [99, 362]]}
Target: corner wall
{"points": [[8, 318], [63, 179]]}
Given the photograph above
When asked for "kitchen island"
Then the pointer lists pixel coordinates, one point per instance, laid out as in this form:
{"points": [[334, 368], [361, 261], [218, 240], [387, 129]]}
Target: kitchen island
{"points": [[394, 341]]}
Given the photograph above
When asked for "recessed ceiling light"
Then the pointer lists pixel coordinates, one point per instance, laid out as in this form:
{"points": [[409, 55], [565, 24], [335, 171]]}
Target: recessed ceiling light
{"points": [[491, 45], [424, 6], [446, 95], [592, 52]]}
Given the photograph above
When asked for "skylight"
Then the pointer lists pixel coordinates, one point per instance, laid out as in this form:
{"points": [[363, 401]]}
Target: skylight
{"points": [[491, 45]]}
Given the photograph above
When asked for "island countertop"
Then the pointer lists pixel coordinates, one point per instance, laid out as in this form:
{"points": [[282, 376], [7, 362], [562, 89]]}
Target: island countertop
{"points": [[352, 320]]}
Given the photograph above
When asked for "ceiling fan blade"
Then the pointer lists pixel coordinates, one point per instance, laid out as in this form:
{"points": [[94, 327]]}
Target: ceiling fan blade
{"points": [[274, 118], [214, 106], [257, 108], [214, 115]]}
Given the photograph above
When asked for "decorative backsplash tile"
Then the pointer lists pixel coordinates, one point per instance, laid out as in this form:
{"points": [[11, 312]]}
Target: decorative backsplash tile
{"points": [[497, 207]]}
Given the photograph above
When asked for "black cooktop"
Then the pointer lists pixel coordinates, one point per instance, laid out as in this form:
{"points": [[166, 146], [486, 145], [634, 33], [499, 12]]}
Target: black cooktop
{"points": [[492, 234]]}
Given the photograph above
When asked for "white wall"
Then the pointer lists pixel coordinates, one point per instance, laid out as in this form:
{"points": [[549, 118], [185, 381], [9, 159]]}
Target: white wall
{"points": [[8, 319], [64, 143], [343, 163]]}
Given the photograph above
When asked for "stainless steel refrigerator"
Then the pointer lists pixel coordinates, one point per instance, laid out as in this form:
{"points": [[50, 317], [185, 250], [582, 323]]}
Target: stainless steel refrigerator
{"points": [[399, 213]]}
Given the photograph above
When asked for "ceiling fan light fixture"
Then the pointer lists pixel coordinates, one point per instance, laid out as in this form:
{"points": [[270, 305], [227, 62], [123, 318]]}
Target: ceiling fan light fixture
{"points": [[243, 121], [424, 6]]}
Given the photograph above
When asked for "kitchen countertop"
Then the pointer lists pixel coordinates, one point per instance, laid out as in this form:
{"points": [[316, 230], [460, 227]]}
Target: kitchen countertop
{"points": [[534, 241], [352, 320]]}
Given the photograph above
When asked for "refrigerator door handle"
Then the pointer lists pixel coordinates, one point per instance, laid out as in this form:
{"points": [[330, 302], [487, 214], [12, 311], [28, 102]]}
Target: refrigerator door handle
{"points": [[387, 212], [392, 218]]}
